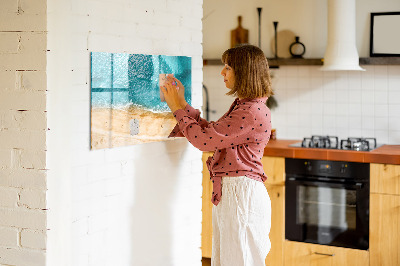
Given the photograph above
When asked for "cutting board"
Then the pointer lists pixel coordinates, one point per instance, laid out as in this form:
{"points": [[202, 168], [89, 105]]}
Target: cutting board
{"points": [[239, 35]]}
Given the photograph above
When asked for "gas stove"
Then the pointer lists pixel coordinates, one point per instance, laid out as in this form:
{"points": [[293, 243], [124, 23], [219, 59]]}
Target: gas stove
{"points": [[332, 142]]}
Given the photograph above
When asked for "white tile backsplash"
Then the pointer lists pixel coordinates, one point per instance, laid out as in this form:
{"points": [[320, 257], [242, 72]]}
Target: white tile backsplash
{"points": [[367, 123], [394, 83], [342, 96], [367, 110], [394, 110], [342, 109], [394, 97], [381, 71], [367, 97], [381, 83], [342, 123], [304, 82], [381, 122], [355, 96], [292, 82], [381, 110], [354, 80], [382, 136], [394, 123], [381, 96], [291, 71], [329, 109], [343, 103], [394, 137]]}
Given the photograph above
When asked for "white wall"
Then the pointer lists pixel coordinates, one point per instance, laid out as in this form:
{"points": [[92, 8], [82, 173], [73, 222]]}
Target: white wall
{"points": [[23, 133], [136, 205], [312, 102], [306, 19]]}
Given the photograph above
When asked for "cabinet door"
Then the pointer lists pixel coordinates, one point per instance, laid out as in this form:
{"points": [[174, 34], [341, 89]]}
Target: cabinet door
{"points": [[206, 226], [274, 168], [384, 230], [304, 254], [277, 233], [385, 178]]}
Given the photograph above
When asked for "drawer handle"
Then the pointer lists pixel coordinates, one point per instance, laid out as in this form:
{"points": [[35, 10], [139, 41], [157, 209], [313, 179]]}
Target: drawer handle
{"points": [[324, 254]]}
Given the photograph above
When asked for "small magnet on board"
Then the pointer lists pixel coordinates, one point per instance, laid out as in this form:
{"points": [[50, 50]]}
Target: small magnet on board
{"points": [[134, 126]]}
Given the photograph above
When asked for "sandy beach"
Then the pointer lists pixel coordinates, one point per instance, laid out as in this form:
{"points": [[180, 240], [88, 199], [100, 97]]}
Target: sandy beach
{"points": [[111, 127]]}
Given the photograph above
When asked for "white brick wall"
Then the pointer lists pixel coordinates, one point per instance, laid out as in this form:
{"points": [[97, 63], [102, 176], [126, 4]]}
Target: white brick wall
{"points": [[8, 197], [33, 239], [9, 237], [23, 132], [137, 205], [107, 207], [11, 256]]}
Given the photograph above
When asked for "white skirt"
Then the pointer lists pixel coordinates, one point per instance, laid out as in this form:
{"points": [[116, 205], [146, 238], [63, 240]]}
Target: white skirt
{"points": [[241, 223]]}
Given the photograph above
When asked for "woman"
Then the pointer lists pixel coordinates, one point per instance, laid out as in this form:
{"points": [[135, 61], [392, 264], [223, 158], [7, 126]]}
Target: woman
{"points": [[242, 208]]}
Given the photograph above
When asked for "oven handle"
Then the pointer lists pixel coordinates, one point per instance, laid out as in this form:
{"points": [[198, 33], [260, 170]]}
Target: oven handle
{"points": [[357, 185]]}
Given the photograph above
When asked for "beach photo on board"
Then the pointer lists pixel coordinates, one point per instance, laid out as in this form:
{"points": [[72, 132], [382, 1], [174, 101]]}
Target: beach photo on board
{"points": [[127, 107]]}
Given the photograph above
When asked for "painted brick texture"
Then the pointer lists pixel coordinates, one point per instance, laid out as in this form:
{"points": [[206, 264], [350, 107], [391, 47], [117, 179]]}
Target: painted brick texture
{"points": [[23, 132], [94, 197]]}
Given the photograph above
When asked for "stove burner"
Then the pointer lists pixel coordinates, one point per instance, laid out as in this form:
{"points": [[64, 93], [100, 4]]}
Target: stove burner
{"points": [[328, 142], [358, 144], [332, 142]]}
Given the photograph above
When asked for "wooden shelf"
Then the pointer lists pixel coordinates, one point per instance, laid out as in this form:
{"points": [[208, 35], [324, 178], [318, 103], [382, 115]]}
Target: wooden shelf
{"points": [[273, 63], [380, 61]]}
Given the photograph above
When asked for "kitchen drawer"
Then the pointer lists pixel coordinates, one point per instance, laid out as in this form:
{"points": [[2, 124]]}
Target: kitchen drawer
{"points": [[305, 254]]}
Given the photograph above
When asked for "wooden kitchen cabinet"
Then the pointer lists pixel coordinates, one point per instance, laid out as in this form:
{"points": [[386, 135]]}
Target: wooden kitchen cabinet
{"points": [[305, 254], [384, 215], [274, 168], [385, 178], [277, 233], [384, 236], [206, 225]]}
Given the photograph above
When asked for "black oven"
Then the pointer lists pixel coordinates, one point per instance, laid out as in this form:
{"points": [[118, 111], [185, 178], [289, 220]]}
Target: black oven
{"points": [[327, 202]]}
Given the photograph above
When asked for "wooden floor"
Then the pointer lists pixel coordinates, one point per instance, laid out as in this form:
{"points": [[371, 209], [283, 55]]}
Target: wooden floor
{"points": [[206, 261]]}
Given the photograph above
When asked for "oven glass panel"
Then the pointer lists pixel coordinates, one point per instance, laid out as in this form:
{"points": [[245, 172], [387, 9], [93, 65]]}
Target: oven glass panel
{"points": [[326, 207]]}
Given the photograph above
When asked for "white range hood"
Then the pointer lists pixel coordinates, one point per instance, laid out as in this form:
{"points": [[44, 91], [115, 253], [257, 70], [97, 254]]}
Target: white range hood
{"points": [[341, 51]]}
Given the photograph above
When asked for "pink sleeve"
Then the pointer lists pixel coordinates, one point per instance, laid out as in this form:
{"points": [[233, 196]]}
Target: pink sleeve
{"points": [[193, 113], [229, 131]]}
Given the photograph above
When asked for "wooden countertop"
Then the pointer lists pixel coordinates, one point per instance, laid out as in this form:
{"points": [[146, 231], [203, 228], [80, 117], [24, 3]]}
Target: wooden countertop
{"points": [[389, 154]]}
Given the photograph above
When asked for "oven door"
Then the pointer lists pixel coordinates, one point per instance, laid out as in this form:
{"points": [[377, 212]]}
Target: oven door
{"points": [[327, 213]]}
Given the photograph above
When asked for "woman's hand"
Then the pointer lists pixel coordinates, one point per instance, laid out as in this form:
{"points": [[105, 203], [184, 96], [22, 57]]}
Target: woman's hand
{"points": [[181, 91], [173, 94]]}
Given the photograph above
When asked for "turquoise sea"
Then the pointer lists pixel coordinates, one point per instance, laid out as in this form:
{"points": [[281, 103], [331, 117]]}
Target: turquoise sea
{"points": [[122, 79]]}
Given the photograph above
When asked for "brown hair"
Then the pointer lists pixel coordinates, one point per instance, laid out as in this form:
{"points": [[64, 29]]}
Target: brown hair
{"points": [[250, 66]]}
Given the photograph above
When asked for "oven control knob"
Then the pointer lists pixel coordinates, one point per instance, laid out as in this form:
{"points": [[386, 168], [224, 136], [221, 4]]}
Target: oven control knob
{"points": [[343, 168], [308, 166]]}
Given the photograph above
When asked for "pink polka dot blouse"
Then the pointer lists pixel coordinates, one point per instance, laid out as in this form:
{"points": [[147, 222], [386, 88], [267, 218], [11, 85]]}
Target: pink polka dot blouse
{"points": [[238, 139]]}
